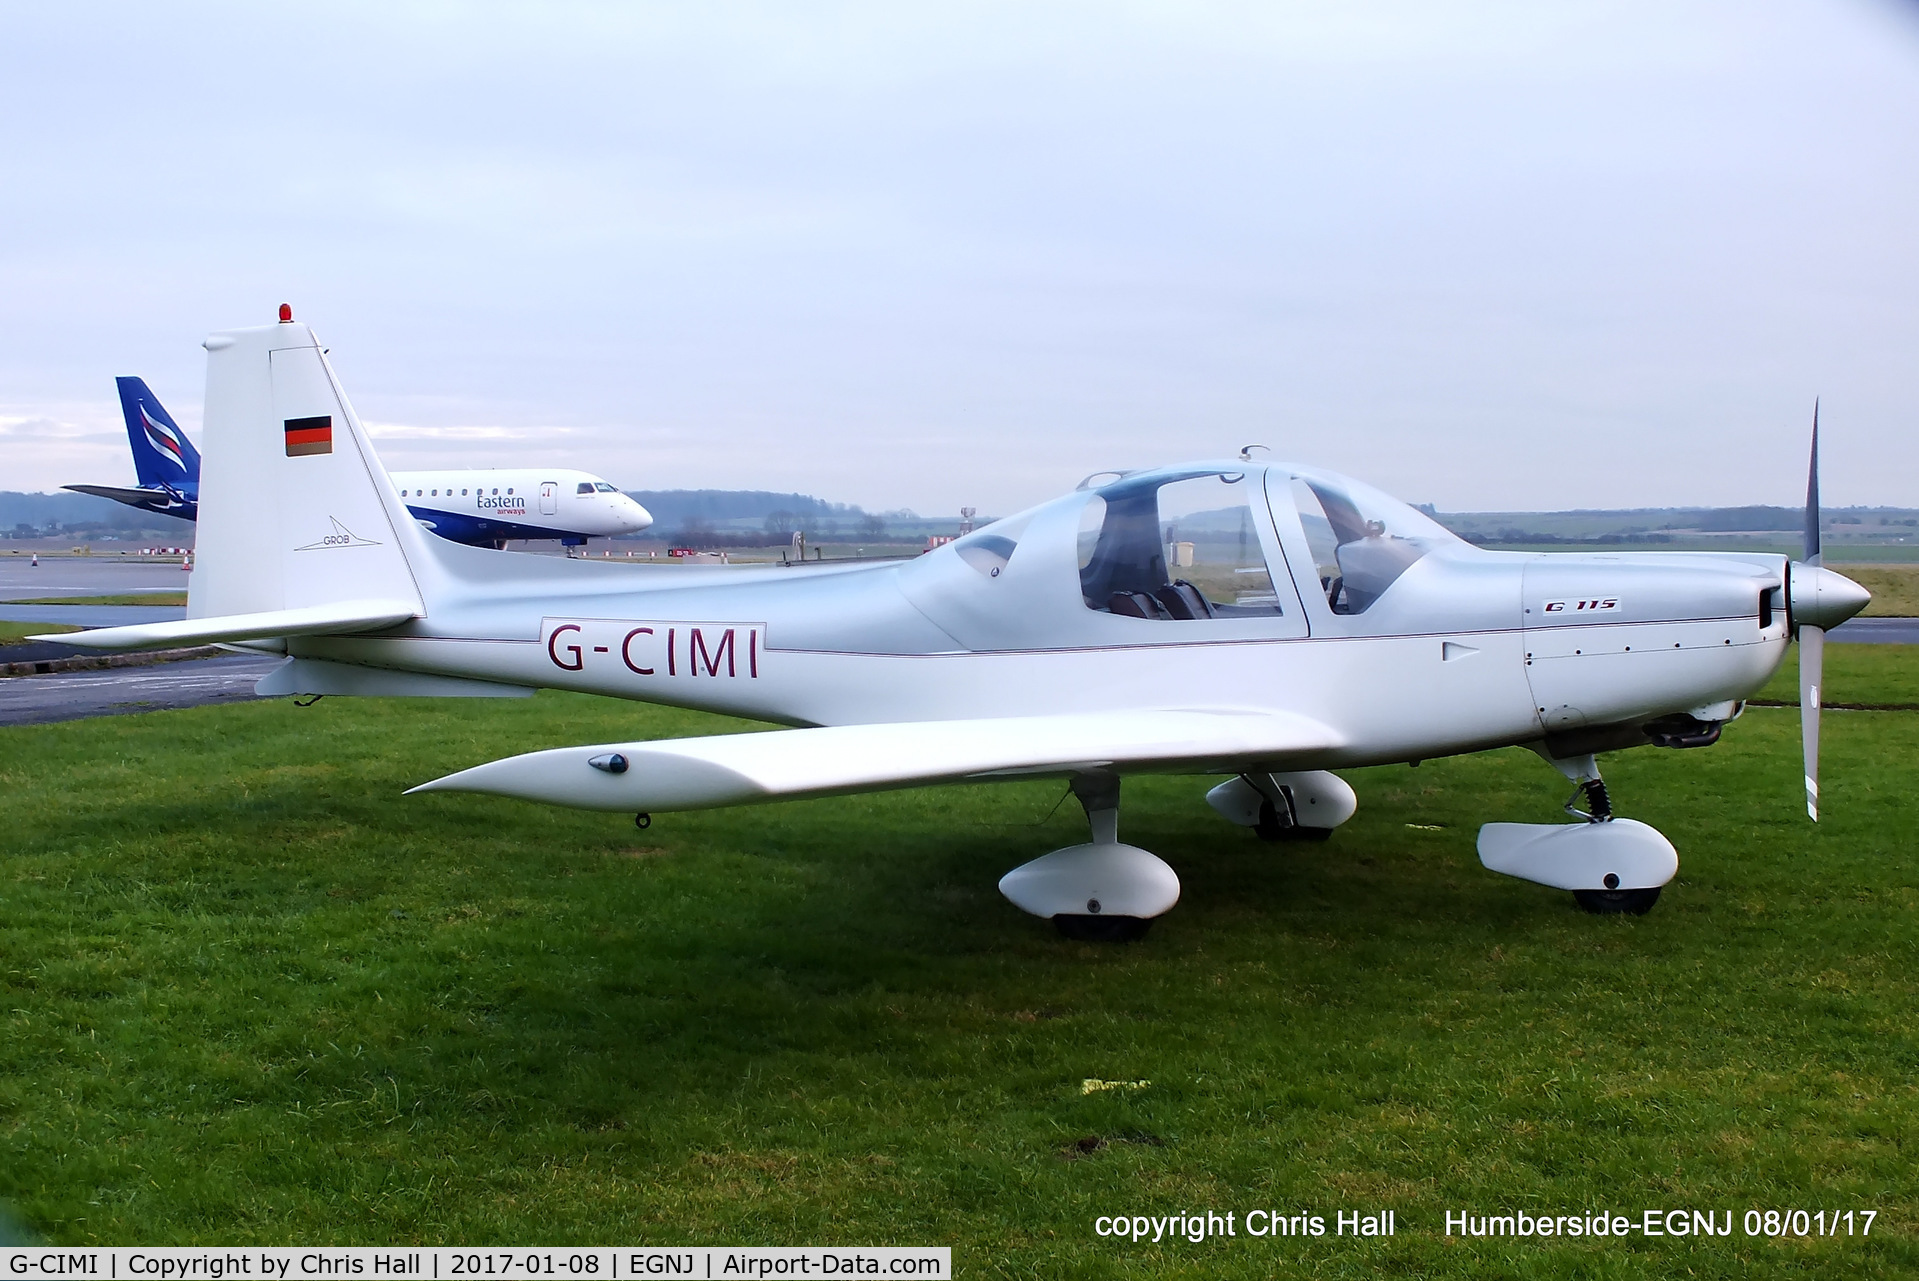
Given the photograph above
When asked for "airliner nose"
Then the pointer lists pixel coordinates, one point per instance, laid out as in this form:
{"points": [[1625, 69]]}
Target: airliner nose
{"points": [[639, 517], [1821, 598]]}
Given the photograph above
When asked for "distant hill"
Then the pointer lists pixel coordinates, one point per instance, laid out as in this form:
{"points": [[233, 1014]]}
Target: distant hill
{"points": [[736, 516], [674, 507], [1690, 525], [758, 517]]}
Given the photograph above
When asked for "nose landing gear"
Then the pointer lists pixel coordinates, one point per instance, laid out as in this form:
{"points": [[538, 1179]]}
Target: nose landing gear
{"points": [[1612, 865]]}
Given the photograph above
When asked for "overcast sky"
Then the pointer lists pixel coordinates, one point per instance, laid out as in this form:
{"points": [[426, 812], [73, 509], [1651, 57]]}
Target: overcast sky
{"points": [[1488, 255]]}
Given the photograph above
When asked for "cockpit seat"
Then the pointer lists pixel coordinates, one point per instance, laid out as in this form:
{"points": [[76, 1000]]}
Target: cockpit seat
{"points": [[1181, 599], [1135, 605]]}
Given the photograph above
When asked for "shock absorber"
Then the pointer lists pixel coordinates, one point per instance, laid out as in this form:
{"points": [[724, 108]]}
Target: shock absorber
{"points": [[1594, 791]]}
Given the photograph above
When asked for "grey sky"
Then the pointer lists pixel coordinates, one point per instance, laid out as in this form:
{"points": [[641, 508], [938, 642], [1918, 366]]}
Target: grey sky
{"points": [[1487, 255]]}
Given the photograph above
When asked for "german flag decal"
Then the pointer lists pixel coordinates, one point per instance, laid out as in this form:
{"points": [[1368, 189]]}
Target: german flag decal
{"points": [[309, 436]]}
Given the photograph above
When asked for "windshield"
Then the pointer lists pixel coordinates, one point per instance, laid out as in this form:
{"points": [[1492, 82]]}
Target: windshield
{"points": [[1361, 540]]}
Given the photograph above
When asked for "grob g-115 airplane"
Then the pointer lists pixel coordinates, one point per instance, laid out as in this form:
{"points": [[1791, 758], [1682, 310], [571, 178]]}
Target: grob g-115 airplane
{"points": [[1257, 619], [485, 507]]}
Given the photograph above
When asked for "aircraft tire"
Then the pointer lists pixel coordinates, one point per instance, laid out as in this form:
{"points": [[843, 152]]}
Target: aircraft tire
{"points": [[1269, 828], [1617, 902], [1082, 928], [1272, 831]]}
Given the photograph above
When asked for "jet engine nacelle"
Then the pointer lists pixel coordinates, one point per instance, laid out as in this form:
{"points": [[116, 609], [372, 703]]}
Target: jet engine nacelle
{"points": [[1312, 798]]}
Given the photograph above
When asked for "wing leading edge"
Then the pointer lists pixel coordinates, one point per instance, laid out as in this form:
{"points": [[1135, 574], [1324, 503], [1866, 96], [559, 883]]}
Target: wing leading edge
{"points": [[308, 620], [736, 769]]}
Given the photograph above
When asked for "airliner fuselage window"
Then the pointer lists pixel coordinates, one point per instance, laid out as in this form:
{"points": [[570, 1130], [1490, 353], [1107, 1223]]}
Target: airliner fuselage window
{"points": [[1359, 550], [1178, 550]]}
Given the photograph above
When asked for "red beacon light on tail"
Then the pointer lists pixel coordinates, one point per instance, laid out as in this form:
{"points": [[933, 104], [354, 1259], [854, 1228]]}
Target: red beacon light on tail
{"points": [[286, 313]]}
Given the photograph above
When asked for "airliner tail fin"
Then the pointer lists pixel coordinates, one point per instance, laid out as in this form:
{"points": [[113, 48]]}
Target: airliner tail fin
{"points": [[162, 454]]}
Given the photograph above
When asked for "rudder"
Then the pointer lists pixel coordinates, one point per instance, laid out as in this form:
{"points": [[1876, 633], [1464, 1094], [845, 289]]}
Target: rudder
{"points": [[162, 454]]}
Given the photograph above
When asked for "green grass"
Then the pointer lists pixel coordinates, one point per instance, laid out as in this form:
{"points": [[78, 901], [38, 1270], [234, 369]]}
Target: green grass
{"points": [[124, 598], [249, 993], [12, 631], [1874, 674], [1894, 588]]}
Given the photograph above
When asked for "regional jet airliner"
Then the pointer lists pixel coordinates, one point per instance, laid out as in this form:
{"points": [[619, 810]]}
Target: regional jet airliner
{"points": [[480, 508]]}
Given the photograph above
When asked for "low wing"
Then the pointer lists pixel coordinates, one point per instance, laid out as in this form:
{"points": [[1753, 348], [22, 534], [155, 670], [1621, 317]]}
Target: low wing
{"points": [[311, 620], [735, 769]]}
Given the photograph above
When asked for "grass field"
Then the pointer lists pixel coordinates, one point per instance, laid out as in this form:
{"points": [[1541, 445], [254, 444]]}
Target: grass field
{"points": [[122, 598], [1894, 588], [1875, 674], [12, 631], [252, 994]]}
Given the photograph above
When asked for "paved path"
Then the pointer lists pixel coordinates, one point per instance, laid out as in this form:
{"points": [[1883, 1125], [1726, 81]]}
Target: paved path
{"points": [[92, 615], [86, 576], [1877, 631], [72, 696]]}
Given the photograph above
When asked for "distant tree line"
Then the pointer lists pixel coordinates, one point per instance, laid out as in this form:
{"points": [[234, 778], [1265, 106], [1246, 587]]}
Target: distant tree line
{"points": [[1511, 535]]}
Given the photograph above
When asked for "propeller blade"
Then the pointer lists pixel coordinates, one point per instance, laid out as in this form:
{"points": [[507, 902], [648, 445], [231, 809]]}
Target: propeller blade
{"points": [[1812, 660], [1812, 640], [1812, 493]]}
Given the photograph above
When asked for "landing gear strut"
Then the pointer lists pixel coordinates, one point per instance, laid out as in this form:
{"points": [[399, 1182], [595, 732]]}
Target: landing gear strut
{"points": [[1594, 790], [1611, 900], [1102, 891]]}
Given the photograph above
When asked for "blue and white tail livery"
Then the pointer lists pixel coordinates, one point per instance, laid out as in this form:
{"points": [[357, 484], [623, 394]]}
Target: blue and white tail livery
{"points": [[162, 454], [167, 464]]}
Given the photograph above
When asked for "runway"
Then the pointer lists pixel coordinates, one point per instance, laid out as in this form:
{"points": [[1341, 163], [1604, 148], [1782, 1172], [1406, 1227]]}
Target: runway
{"points": [[86, 576], [73, 696], [1876, 631], [92, 615]]}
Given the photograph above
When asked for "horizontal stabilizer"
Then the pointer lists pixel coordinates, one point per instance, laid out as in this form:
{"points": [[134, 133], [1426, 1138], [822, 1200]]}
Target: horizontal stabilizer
{"points": [[310, 620], [735, 769], [131, 497], [119, 493]]}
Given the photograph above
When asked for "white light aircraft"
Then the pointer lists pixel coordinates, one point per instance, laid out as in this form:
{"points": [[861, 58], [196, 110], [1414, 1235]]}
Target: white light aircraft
{"points": [[1248, 618]]}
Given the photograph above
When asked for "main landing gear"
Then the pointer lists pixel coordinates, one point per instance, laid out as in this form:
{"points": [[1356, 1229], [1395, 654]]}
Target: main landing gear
{"points": [[1102, 891], [1303, 806], [1611, 865]]}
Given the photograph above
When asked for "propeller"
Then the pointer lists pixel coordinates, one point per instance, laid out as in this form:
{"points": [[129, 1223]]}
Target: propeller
{"points": [[1816, 599]]}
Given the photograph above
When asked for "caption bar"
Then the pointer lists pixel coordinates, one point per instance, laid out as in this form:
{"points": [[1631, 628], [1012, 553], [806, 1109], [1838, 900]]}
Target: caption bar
{"points": [[373, 1263]]}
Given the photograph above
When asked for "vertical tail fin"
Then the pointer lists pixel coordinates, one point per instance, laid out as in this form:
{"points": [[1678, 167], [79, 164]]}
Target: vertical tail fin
{"points": [[295, 510], [162, 454]]}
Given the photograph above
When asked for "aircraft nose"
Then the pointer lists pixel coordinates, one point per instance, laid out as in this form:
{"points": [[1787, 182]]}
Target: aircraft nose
{"points": [[1821, 598], [640, 517]]}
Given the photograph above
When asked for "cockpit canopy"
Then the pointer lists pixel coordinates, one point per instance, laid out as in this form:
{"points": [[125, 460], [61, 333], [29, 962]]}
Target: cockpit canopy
{"points": [[1167, 545], [1244, 550]]}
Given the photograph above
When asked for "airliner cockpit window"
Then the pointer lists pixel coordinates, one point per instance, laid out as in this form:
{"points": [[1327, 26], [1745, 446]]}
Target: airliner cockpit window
{"points": [[1177, 550], [1360, 544]]}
